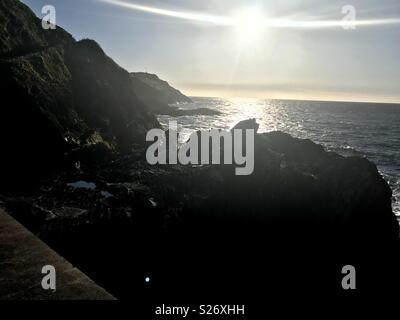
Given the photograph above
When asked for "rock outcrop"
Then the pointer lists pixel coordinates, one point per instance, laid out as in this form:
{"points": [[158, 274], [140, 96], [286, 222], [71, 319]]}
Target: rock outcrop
{"points": [[21, 32], [301, 216], [164, 93], [158, 95], [288, 228], [60, 99]]}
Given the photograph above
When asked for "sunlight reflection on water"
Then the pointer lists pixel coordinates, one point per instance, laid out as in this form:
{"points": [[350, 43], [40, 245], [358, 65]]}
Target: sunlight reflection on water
{"points": [[351, 129]]}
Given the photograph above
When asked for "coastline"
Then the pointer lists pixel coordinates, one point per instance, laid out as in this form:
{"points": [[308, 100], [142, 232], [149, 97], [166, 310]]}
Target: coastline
{"points": [[75, 174]]}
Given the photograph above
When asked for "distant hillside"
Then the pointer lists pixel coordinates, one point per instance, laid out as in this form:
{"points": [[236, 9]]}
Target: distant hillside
{"points": [[164, 92], [157, 94]]}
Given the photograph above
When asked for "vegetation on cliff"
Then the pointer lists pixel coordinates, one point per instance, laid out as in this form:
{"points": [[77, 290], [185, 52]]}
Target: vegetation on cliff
{"points": [[292, 225], [62, 99]]}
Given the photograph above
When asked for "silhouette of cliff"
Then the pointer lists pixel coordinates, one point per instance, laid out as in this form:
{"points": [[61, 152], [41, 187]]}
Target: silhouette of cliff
{"points": [[158, 95], [59, 97]]}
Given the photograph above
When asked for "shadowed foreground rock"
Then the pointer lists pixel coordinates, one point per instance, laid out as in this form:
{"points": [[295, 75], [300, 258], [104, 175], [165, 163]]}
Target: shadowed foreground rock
{"points": [[22, 257], [293, 224], [72, 125]]}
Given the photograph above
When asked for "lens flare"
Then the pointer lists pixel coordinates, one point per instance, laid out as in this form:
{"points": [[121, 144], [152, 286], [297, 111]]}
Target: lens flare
{"points": [[251, 20], [192, 16]]}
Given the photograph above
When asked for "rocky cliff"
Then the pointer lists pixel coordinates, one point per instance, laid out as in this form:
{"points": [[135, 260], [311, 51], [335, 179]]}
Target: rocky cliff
{"points": [[164, 92], [158, 95], [21, 31], [60, 98], [287, 229]]}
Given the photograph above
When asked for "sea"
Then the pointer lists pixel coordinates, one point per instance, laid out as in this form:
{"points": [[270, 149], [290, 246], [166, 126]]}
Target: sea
{"points": [[370, 130]]}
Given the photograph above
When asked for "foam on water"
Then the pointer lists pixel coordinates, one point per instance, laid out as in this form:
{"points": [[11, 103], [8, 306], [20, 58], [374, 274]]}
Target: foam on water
{"points": [[351, 129]]}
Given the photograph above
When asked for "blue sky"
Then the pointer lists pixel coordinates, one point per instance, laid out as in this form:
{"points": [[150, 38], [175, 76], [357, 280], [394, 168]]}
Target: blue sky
{"points": [[207, 59]]}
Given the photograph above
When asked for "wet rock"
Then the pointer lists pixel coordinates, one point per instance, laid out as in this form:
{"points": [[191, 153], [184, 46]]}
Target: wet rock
{"points": [[300, 202], [83, 185], [68, 212], [250, 124]]}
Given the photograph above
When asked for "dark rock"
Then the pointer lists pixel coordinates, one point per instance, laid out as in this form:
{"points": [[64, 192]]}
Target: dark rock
{"points": [[158, 95], [301, 204], [21, 32], [302, 215], [68, 212], [150, 87], [103, 97], [250, 124], [63, 101]]}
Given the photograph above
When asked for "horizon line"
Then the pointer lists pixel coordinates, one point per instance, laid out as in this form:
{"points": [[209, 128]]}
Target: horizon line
{"points": [[293, 99]]}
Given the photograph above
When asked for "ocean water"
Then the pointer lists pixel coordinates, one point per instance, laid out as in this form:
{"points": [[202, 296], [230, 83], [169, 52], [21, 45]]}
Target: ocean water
{"points": [[352, 129]]}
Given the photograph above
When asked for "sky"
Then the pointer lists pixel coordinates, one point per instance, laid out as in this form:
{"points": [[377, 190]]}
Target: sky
{"points": [[240, 48]]}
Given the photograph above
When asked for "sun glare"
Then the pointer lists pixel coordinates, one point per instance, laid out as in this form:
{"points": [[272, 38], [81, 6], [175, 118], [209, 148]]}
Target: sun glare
{"points": [[249, 24]]}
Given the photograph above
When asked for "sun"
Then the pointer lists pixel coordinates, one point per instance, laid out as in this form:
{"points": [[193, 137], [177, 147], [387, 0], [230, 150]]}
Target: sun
{"points": [[249, 23]]}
